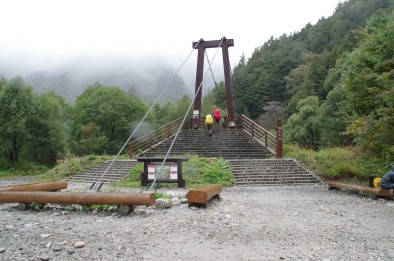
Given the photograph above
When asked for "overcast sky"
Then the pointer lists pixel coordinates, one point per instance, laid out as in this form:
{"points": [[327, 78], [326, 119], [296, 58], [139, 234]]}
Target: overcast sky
{"points": [[40, 33]]}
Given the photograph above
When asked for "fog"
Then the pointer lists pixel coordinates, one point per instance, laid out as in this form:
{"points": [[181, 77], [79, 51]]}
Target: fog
{"points": [[143, 76], [137, 45]]}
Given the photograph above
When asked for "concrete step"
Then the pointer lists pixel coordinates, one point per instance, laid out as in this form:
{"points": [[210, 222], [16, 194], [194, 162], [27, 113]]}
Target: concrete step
{"points": [[118, 170], [262, 172]]}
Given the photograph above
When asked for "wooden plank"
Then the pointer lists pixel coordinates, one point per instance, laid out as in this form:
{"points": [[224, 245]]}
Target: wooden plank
{"points": [[49, 186], [87, 198], [203, 194], [375, 191]]}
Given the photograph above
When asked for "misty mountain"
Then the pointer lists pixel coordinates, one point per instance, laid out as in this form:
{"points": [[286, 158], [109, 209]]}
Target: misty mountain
{"points": [[146, 81]]}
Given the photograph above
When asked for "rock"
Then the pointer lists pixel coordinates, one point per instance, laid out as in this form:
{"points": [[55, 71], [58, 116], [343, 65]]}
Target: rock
{"points": [[79, 244], [2, 249], [57, 248], [175, 201], [45, 235], [163, 203], [44, 258]]}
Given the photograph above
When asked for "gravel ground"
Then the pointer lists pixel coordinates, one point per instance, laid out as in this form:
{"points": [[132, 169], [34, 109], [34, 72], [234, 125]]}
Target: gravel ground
{"points": [[248, 223]]}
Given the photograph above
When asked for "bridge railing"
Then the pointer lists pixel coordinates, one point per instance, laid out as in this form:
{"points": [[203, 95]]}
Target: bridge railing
{"points": [[272, 142], [145, 142]]}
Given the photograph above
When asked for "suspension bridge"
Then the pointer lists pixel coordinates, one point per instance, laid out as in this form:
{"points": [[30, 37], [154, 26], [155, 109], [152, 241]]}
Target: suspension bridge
{"points": [[254, 153]]}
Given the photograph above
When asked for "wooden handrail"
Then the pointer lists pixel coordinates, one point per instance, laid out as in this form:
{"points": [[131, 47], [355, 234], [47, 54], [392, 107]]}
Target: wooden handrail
{"points": [[138, 146], [258, 133]]}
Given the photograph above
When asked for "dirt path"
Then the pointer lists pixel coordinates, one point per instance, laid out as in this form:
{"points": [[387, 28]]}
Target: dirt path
{"points": [[254, 223]]}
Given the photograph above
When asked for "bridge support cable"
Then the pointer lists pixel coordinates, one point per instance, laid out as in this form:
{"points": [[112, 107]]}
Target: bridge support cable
{"points": [[97, 185], [210, 68], [180, 127]]}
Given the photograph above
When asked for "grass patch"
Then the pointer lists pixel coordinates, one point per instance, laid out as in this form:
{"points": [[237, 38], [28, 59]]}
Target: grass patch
{"points": [[133, 180], [196, 171], [69, 167], [340, 163], [22, 169]]}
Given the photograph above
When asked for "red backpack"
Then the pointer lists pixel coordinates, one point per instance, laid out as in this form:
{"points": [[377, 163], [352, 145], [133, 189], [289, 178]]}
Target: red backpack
{"points": [[216, 114]]}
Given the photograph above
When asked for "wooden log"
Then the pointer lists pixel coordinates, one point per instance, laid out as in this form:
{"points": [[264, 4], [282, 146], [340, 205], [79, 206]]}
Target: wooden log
{"points": [[375, 191], [87, 198], [49, 186], [200, 196]]}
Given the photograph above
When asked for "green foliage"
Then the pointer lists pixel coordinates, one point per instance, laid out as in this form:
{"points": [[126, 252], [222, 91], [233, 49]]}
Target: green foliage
{"points": [[339, 163], [133, 180], [200, 170], [104, 208], [49, 128], [333, 118], [161, 195], [110, 110], [17, 105], [302, 126], [69, 167], [36, 206], [217, 172], [196, 171], [22, 169], [369, 82]]}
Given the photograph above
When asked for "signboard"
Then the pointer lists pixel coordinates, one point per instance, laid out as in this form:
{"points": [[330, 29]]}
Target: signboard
{"points": [[173, 171], [196, 114], [151, 171], [169, 171], [163, 172]]}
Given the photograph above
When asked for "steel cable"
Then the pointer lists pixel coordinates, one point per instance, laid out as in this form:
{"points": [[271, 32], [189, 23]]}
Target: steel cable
{"points": [[99, 183], [183, 121]]}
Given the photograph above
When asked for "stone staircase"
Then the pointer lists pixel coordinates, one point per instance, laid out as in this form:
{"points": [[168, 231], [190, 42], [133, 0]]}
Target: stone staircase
{"points": [[252, 163], [269, 172], [226, 143], [118, 170]]}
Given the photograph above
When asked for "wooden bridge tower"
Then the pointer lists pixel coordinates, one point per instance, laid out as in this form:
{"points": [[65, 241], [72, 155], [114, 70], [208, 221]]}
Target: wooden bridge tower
{"points": [[201, 46]]}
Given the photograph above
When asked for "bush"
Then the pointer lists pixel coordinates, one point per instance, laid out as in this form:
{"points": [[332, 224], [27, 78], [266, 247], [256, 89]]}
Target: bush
{"points": [[340, 162]]}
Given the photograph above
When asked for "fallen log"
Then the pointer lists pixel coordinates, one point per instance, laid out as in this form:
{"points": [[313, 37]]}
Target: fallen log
{"points": [[128, 198], [49, 186], [374, 191], [200, 196]]}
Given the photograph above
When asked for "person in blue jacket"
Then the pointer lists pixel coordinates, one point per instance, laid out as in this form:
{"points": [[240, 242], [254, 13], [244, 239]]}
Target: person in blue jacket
{"points": [[387, 181]]}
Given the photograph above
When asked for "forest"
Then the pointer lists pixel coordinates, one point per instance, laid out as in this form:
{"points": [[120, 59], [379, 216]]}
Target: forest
{"points": [[331, 83]]}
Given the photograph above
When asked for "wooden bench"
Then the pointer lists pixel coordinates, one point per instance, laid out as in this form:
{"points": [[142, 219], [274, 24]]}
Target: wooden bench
{"points": [[200, 196], [49, 186], [125, 200], [376, 193]]}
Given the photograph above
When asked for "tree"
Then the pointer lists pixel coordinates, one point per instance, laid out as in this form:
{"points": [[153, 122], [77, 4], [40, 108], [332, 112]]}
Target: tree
{"points": [[17, 107], [3, 82], [302, 126], [369, 81], [111, 109], [333, 118], [49, 128], [91, 140]]}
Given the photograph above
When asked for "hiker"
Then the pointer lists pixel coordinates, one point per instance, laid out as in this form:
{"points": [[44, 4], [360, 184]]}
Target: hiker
{"points": [[217, 116], [387, 181], [209, 123]]}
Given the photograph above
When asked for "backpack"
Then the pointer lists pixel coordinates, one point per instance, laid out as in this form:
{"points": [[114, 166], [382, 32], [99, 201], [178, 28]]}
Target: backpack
{"points": [[216, 114], [208, 119], [376, 182]]}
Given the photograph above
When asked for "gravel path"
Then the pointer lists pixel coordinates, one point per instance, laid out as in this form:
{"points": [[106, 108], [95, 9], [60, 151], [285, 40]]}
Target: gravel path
{"points": [[248, 223]]}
